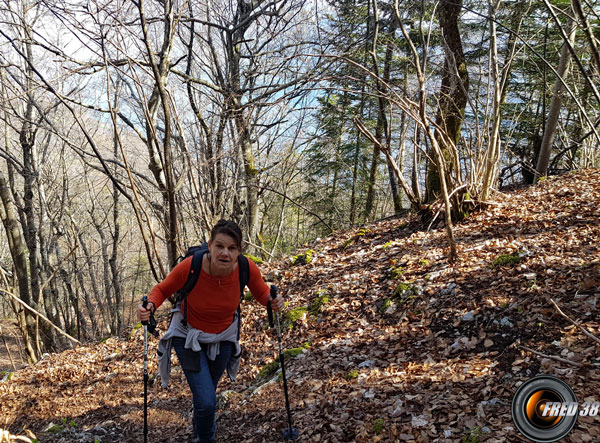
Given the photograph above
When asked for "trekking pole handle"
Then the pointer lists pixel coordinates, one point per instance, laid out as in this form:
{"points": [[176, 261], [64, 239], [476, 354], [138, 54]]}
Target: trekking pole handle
{"points": [[144, 305], [269, 308]]}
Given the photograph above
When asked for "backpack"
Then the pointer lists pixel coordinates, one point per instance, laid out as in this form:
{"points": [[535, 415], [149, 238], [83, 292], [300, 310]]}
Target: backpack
{"points": [[198, 254]]}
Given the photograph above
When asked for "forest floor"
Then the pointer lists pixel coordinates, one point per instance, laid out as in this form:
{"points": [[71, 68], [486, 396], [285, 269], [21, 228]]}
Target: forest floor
{"points": [[399, 345]]}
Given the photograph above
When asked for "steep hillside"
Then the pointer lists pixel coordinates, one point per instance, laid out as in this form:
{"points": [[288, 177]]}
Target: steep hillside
{"points": [[397, 345]]}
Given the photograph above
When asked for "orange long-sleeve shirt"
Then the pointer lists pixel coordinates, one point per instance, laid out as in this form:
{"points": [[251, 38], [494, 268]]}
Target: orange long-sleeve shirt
{"points": [[213, 301]]}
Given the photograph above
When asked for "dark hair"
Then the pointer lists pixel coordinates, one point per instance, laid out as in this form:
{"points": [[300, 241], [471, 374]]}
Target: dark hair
{"points": [[229, 228]]}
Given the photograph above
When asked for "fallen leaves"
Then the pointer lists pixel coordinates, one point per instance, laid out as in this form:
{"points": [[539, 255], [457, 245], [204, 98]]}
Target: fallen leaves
{"points": [[437, 364]]}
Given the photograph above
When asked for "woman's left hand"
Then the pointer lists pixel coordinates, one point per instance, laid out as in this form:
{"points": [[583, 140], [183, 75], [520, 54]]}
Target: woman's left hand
{"points": [[277, 304]]}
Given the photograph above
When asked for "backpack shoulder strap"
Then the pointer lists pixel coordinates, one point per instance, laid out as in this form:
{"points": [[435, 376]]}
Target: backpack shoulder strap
{"points": [[195, 270], [192, 279], [244, 270]]}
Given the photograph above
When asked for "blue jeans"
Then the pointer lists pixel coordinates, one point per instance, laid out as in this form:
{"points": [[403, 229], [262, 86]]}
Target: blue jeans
{"points": [[203, 384]]}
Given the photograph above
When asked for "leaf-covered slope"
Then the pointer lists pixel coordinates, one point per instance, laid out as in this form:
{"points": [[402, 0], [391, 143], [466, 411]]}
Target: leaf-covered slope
{"points": [[401, 346]]}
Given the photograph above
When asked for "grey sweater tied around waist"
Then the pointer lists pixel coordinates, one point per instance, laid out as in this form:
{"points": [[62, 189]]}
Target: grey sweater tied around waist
{"points": [[194, 338]]}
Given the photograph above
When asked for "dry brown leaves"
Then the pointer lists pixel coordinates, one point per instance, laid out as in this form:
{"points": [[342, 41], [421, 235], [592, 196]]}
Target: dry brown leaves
{"points": [[440, 361]]}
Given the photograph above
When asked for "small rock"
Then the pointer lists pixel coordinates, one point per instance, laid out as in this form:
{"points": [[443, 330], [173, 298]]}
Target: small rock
{"points": [[506, 323], [398, 408], [366, 364], [530, 276], [492, 402], [488, 343], [369, 395], [469, 316], [448, 290], [486, 430], [99, 430], [391, 308], [419, 421], [448, 433]]}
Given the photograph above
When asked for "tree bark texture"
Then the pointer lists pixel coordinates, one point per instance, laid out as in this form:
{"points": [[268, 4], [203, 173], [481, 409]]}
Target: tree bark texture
{"points": [[453, 93], [555, 106]]}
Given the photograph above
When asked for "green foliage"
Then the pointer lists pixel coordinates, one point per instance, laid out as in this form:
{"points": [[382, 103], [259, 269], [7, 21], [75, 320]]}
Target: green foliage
{"points": [[65, 421], [352, 374], [507, 260], [304, 258], [473, 435], [402, 289], [424, 262], [291, 317], [270, 369], [255, 259], [316, 306], [386, 304], [6, 374], [294, 352], [397, 272], [378, 426], [137, 326], [388, 244], [248, 296], [406, 291], [55, 429], [361, 233]]}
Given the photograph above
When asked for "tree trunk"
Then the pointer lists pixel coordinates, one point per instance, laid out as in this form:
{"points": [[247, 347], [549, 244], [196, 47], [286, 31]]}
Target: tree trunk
{"points": [[163, 175], [92, 308], [113, 260], [242, 115], [553, 114], [453, 94], [18, 251], [493, 151]]}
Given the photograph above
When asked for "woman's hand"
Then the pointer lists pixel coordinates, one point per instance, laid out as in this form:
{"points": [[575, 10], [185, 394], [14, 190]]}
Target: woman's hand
{"points": [[144, 313], [277, 304]]}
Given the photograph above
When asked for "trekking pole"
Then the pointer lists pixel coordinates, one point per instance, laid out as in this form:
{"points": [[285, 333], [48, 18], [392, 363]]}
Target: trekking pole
{"points": [[145, 323], [291, 433]]}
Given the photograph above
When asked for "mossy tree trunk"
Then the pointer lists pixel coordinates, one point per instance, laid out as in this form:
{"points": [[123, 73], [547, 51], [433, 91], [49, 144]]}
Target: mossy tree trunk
{"points": [[452, 98]]}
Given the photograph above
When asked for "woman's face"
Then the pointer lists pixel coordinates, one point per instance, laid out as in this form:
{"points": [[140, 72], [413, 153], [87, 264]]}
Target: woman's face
{"points": [[224, 252]]}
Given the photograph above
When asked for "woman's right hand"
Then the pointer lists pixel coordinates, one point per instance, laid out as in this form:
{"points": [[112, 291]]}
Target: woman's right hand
{"points": [[144, 313]]}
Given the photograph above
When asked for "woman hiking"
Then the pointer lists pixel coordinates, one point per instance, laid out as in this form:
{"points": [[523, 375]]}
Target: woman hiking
{"points": [[204, 330]]}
